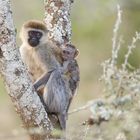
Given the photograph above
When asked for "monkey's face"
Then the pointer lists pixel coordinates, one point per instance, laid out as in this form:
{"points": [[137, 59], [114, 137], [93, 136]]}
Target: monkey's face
{"points": [[68, 54], [34, 37], [33, 33]]}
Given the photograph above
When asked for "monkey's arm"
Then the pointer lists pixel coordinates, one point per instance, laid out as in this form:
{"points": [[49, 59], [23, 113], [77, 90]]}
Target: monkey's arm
{"points": [[42, 81], [65, 67]]}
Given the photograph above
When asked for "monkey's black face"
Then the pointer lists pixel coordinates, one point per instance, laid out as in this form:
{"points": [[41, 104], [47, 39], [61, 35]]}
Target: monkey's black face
{"points": [[34, 38]]}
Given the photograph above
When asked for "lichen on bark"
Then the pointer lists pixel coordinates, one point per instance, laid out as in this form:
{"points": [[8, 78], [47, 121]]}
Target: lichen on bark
{"points": [[57, 19]]}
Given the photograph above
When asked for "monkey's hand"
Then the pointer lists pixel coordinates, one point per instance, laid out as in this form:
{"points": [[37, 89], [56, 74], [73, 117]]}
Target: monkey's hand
{"points": [[36, 86]]}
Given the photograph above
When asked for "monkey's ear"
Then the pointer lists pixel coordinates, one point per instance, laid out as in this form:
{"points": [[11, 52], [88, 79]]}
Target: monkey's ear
{"points": [[76, 52]]}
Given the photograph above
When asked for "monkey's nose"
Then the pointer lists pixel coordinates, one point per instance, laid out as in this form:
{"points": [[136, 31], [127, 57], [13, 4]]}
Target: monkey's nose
{"points": [[33, 42]]}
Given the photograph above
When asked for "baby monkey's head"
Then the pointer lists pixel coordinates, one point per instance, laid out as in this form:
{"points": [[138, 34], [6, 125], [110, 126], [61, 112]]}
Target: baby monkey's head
{"points": [[69, 52]]}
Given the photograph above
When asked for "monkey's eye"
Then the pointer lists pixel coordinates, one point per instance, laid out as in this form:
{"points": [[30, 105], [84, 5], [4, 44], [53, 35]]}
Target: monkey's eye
{"points": [[38, 34], [66, 52], [31, 33], [35, 34]]}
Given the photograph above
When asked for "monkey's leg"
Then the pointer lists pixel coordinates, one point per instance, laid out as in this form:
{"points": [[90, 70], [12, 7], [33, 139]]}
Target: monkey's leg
{"points": [[42, 81], [62, 120]]}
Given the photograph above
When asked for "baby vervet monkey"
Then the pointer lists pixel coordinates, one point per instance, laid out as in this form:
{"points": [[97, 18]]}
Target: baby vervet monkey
{"points": [[69, 53]]}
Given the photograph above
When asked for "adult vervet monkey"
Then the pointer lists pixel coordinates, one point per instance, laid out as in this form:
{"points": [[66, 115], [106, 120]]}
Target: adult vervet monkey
{"points": [[41, 56]]}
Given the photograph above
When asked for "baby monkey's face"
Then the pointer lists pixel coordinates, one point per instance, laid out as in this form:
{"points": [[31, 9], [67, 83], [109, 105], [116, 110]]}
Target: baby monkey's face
{"points": [[69, 52]]}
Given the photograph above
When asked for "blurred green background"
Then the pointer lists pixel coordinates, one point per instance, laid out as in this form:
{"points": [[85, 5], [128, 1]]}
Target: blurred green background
{"points": [[92, 27]]}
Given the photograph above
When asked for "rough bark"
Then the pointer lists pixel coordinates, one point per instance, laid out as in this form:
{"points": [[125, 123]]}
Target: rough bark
{"points": [[19, 87], [57, 19]]}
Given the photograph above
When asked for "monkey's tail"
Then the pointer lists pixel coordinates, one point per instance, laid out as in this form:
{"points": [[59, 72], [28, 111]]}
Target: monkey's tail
{"points": [[62, 121]]}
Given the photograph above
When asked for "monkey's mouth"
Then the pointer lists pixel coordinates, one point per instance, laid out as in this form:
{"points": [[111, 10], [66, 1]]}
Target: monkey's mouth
{"points": [[33, 42]]}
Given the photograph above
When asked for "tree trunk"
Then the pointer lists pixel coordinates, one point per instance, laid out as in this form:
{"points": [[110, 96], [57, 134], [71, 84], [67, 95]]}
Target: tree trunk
{"points": [[18, 84], [57, 19]]}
